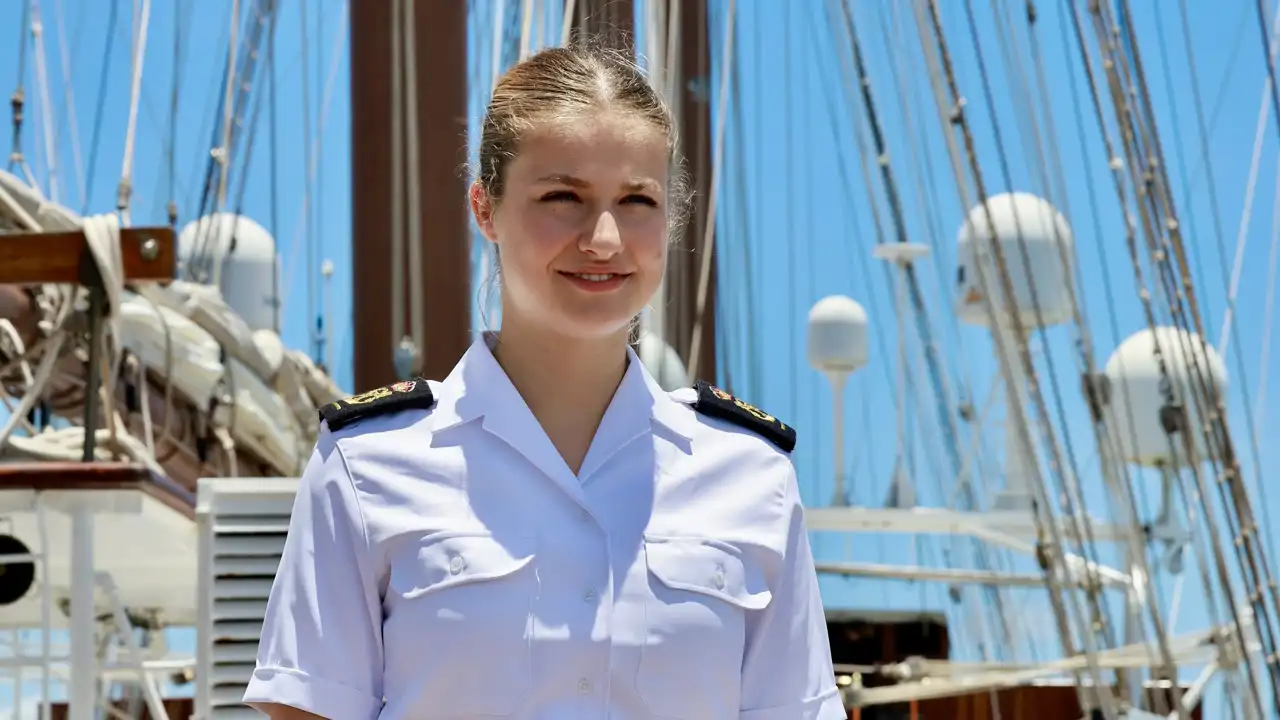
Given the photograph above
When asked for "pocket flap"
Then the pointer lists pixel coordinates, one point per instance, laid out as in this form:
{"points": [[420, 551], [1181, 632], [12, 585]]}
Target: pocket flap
{"points": [[444, 560], [709, 567]]}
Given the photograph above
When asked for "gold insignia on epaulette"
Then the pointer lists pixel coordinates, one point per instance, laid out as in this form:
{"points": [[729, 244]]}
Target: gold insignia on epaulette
{"points": [[390, 398], [718, 403], [757, 412], [366, 398]]}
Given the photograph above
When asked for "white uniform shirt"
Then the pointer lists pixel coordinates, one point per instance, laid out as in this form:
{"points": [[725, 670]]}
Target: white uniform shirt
{"points": [[449, 562]]}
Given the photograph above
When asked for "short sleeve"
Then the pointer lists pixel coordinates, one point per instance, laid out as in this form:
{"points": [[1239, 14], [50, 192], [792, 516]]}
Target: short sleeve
{"points": [[787, 672], [321, 645]]}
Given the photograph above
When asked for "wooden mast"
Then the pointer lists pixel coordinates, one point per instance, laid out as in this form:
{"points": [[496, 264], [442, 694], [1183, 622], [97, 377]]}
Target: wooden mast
{"points": [[684, 265], [440, 47]]}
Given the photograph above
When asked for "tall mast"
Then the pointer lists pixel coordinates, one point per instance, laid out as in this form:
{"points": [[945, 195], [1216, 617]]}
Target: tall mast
{"points": [[683, 268], [430, 303]]}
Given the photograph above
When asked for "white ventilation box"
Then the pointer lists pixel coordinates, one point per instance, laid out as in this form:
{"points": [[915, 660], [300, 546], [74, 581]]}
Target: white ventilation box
{"points": [[241, 524]]}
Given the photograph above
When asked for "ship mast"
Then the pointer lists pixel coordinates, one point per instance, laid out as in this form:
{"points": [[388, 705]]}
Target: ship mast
{"points": [[410, 243], [684, 268]]}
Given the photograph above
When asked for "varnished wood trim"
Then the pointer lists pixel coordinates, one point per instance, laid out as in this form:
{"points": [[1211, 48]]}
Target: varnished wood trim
{"points": [[55, 257], [50, 476]]}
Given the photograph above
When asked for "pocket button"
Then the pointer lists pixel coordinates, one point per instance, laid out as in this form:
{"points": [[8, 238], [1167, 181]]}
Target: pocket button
{"points": [[457, 565]]}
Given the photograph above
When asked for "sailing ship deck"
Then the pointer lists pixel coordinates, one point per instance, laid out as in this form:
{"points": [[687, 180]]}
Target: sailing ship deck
{"points": [[144, 535]]}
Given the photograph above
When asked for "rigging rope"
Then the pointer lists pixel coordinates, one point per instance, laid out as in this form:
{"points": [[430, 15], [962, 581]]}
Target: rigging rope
{"points": [[996, 604], [1050, 543], [125, 191]]}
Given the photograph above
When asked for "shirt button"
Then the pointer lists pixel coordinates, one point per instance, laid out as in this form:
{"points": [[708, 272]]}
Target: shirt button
{"points": [[457, 565], [589, 596], [719, 579], [584, 686]]}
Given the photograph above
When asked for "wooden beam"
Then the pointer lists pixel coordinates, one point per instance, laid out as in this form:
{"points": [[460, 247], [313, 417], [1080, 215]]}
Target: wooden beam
{"points": [[58, 257], [684, 268], [441, 51], [96, 475]]}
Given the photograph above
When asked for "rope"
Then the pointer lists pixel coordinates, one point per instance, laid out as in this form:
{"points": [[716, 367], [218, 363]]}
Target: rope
{"points": [[125, 191], [69, 98], [46, 105], [396, 261], [417, 303]]}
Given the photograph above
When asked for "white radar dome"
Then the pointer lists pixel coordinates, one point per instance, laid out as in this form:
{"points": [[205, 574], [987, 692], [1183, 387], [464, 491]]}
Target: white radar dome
{"points": [[1136, 397], [1046, 234], [837, 335], [246, 253], [663, 362]]}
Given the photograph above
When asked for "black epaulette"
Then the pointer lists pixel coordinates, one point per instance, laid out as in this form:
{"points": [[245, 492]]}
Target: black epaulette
{"points": [[716, 403], [407, 395]]}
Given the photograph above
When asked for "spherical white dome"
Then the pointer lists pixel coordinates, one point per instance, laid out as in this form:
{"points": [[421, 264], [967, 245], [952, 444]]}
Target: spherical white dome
{"points": [[246, 253], [1047, 239], [837, 335], [1136, 397], [663, 362]]}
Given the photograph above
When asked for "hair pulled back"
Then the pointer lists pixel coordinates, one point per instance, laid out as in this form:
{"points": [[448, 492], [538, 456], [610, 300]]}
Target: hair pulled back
{"points": [[565, 82]]}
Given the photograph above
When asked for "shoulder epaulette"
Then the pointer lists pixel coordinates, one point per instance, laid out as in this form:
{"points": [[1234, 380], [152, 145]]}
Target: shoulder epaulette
{"points": [[716, 403], [407, 395]]}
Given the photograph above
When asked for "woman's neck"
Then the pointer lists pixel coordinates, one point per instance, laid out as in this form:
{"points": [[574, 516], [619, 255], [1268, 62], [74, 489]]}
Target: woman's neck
{"points": [[567, 382]]}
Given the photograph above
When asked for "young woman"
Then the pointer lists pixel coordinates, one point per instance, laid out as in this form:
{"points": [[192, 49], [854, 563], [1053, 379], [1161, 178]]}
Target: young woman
{"points": [[546, 533]]}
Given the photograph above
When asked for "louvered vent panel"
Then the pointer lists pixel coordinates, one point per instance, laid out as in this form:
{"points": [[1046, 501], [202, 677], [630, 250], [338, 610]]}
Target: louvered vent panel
{"points": [[242, 525]]}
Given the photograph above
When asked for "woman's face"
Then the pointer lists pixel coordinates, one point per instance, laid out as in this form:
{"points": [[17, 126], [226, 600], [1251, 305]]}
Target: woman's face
{"points": [[582, 224]]}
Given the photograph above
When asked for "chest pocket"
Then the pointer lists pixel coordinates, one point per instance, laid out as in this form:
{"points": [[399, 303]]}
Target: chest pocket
{"points": [[458, 612], [695, 615]]}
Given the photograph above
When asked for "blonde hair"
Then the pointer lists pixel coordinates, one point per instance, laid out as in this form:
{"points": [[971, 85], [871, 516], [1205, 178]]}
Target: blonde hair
{"points": [[561, 82]]}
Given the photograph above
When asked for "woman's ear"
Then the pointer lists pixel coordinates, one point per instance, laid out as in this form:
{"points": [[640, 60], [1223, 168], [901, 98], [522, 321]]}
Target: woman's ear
{"points": [[482, 207]]}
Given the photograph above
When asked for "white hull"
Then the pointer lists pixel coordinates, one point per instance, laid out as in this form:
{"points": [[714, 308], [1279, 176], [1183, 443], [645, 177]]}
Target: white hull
{"points": [[145, 543]]}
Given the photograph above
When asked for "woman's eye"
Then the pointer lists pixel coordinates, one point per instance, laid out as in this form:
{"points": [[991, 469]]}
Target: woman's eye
{"points": [[641, 199], [560, 196]]}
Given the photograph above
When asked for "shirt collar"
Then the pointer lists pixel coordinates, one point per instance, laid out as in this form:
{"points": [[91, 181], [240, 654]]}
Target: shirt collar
{"points": [[479, 389]]}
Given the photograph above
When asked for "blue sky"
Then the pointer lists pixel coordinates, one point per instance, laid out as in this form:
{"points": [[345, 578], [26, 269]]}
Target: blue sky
{"points": [[796, 221]]}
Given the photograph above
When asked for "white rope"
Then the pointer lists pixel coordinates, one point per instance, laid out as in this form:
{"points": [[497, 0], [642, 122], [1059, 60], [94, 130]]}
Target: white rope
{"points": [[47, 116], [70, 99], [417, 300], [566, 26], [19, 349], [396, 261], [135, 96], [526, 28], [43, 372], [102, 232], [228, 109]]}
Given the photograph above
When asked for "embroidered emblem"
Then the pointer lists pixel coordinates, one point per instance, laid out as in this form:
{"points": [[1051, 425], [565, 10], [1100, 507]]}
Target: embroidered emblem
{"points": [[406, 395], [714, 402]]}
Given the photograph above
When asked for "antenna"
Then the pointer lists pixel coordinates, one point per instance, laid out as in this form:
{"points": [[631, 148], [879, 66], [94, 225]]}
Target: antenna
{"points": [[1034, 238], [1148, 405], [903, 256], [837, 348]]}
